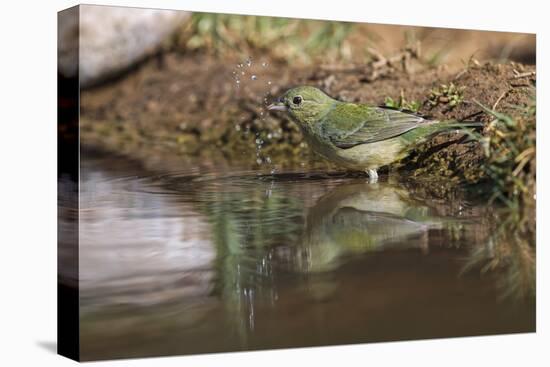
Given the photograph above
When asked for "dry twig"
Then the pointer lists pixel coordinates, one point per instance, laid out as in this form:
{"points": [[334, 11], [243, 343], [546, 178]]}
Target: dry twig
{"points": [[500, 99], [518, 75]]}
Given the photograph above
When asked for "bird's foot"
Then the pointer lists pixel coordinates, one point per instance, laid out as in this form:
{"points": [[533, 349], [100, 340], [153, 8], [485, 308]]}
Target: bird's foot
{"points": [[373, 175]]}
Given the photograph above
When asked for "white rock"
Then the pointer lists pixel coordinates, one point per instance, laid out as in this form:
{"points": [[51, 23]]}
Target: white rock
{"points": [[112, 38]]}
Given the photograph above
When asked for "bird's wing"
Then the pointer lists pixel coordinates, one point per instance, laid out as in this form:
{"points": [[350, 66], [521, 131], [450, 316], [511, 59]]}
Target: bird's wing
{"points": [[348, 125]]}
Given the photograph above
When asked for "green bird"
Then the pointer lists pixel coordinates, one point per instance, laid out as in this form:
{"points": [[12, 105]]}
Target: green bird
{"points": [[358, 136]]}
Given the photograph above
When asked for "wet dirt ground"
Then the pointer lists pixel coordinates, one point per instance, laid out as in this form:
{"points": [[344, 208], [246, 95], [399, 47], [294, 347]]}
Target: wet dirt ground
{"points": [[180, 106]]}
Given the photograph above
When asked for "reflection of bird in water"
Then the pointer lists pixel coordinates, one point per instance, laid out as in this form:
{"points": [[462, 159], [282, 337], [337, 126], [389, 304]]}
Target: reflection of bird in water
{"points": [[355, 229], [357, 218]]}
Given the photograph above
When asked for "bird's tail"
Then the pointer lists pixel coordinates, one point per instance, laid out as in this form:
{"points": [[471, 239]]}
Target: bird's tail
{"points": [[427, 131], [471, 129]]}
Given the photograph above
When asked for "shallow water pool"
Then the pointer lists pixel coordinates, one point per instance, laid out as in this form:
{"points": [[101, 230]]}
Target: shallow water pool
{"points": [[195, 261]]}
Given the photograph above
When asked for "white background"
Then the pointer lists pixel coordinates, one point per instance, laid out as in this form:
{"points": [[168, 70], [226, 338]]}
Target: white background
{"points": [[28, 183]]}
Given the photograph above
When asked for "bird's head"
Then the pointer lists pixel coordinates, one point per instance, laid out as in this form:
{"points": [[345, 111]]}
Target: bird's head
{"points": [[304, 104]]}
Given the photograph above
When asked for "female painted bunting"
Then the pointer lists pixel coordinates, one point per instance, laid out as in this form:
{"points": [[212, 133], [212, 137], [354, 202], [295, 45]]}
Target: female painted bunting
{"points": [[358, 136]]}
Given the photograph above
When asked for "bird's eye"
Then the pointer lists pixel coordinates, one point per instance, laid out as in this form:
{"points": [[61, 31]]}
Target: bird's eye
{"points": [[297, 100]]}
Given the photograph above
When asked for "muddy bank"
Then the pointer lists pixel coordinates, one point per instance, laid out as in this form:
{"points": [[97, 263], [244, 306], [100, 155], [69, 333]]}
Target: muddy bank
{"points": [[182, 106]]}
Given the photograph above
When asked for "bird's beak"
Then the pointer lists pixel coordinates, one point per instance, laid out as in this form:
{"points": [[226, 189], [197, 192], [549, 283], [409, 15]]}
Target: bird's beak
{"points": [[277, 106]]}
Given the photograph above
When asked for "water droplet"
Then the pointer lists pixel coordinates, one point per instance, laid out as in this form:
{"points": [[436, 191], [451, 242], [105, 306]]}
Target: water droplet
{"points": [[248, 62], [269, 82], [242, 72], [273, 170], [269, 136], [238, 127], [259, 160], [253, 77], [268, 159], [264, 64]]}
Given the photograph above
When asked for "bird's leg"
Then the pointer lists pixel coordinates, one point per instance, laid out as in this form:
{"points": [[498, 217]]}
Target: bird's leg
{"points": [[373, 175]]}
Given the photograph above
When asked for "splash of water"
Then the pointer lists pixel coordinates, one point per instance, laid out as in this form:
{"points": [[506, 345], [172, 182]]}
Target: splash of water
{"points": [[248, 71]]}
